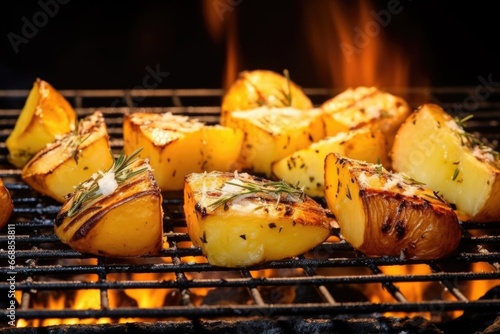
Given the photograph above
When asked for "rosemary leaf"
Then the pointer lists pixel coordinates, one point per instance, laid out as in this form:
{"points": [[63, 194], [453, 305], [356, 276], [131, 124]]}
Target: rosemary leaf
{"points": [[273, 188]]}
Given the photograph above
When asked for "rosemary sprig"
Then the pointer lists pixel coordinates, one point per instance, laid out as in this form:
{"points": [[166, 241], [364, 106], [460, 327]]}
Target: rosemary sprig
{"points": [[412, 181], [273, 188], [469, 140], [89, 190]]}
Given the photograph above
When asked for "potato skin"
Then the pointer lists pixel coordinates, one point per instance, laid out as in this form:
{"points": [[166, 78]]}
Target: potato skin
{"points": [[45, 115], [383, 214], [406, 228], [6, 205]]}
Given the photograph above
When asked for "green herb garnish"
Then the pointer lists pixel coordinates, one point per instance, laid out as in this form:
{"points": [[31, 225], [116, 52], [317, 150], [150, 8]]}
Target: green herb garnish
{"points": [[276, 189], [469, 140], [89, 190]]}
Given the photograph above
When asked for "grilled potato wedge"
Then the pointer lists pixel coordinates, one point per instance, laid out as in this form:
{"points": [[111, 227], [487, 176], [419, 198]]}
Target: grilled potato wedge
{"points": [[117, 213], [6, 205], [365, 105], [240, 220], [71, 159], [432, 147], [178, 145], [306, 167], [271, 134], [259, 88], [45, 115], [385, 214]]}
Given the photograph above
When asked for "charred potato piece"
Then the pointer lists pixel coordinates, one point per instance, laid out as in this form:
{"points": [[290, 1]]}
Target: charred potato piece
{"points": [[432, 147], [306, 167], [6, 205], [271, 134], [259, 88], [117, 213], [45, 115], [71, 159], [385, 214], [178, 145], [239, 220], [365, 105]]}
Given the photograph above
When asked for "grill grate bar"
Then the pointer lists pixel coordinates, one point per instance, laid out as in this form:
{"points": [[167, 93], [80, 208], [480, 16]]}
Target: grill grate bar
{"points": [[257, 297], [449, 285]]}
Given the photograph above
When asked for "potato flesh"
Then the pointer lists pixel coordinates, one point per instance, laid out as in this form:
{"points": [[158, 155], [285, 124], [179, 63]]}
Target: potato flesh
{"points": [[428, 149], [272, 134], [380, 214], [6, 205], [176, 148], [45, 115], [258, 88], [250, 231], [126, 223], [306, 167], [365, 105], [54, 171]]}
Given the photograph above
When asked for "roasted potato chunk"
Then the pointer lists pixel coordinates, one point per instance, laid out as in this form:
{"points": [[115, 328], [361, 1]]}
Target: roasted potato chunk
{"points": [[239, 220], [365, 105], [385, 214], [6, 205], [71, 159], [45, 115], [117, 213], [271, 134], [306, 167], [259, 88], [178, 145], [433, 148]]}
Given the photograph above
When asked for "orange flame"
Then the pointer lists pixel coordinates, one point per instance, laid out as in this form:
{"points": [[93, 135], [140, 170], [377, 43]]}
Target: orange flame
{"points": [[221, 20], [350, 47]]}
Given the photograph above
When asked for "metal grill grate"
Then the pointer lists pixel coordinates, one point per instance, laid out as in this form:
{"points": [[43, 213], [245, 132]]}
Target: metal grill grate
{"points": [[329, 282]]}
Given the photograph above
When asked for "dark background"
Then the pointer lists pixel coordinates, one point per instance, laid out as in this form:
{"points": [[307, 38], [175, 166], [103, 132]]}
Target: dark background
{"points": [[97, 44]]}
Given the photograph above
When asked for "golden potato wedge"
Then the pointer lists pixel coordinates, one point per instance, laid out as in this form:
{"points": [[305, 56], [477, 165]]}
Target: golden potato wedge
{"points": [[363, 105], [306, 167], [239, 220], [6, 205], [45, 115], [385, 214], [271, 134], [260, 88], [433, 148], [178, 145], [117, 213], [57, 169]]}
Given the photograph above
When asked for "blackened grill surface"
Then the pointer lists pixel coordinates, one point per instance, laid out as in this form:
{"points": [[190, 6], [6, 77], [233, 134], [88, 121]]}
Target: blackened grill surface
{"points": [[319, 279]]}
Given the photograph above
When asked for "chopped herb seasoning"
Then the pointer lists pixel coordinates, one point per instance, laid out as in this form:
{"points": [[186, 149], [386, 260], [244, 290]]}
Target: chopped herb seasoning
{"points": [[204, 238]]}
